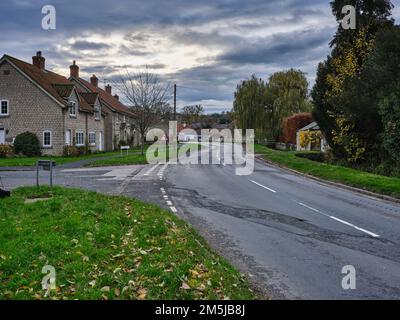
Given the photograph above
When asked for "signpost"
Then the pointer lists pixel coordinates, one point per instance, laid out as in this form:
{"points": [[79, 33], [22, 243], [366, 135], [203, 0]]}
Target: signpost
{"points": [[127, 148], [46, 165]]}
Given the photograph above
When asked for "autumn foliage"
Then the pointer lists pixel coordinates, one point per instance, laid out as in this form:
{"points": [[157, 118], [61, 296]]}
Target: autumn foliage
{"points": [[293, 124]]}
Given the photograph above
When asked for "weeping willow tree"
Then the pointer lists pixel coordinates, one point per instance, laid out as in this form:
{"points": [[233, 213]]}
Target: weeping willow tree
{"points": [[287, 94], [249, 105], [262, 106]]}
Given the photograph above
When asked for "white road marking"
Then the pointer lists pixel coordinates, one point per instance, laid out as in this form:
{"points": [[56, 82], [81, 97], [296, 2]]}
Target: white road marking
{"points": [[169, 203], [374, 235], [262, 186], [173, 209], [166, 197], [151, 170]]}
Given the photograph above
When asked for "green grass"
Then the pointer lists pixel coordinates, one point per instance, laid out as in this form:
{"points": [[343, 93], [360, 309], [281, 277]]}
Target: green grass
{"points": [[31, 161], [352, 177], [106, 247], [135, 158], [120, 161]]}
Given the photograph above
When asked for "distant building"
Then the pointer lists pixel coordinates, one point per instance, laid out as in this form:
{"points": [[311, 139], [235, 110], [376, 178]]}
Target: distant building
{"points": [[310, 138]]}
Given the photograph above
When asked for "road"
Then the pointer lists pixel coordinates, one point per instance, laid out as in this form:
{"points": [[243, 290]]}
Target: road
{"points": [[290, 234]]}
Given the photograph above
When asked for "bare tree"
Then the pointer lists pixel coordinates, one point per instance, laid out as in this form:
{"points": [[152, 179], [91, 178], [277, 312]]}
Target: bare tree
{"points": [[192, 114], [148, 97]]}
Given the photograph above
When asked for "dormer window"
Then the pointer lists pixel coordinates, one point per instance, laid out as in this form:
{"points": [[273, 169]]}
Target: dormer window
{"points": [[72, 109]]}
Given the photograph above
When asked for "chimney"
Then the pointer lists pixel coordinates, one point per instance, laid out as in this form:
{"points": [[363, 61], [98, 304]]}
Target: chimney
{"points": [[94, 81], [116, 97], [74, 70], [39, 61], [108, 89]]}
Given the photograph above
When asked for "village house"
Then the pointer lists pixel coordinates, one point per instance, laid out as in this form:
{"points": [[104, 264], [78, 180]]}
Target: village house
{"points": [[118, 125], [61, 112]]}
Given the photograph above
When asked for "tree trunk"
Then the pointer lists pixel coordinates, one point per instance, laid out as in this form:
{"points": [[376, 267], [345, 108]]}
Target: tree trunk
{"points": [[142, 144]]}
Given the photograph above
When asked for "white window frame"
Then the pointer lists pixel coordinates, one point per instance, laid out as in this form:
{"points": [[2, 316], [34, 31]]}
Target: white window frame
{"points": [[92, 143], [1, 108], [72, 104], [76, 138], [50, 145]]}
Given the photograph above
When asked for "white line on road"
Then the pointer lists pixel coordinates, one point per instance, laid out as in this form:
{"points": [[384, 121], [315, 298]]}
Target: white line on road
{"points": [[374, 235], [262, 186], [151, 170], [173, 209]]}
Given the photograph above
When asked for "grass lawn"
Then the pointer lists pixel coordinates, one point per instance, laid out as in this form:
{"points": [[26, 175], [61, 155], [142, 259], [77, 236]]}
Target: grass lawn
{"points": [[355, 178], [31, 161], [120, 161], [136, 158], [106, 247]]}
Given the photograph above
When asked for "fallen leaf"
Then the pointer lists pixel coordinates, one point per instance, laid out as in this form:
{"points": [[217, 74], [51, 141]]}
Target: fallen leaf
{"points": [[185, 286], [142, 293], [117, 292], [105, 289]]}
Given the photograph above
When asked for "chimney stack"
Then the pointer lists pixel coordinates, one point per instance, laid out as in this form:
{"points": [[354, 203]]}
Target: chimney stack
{"points": [[74, 70], [116, 97], [39, 61], [109, 89], [94, 81]]}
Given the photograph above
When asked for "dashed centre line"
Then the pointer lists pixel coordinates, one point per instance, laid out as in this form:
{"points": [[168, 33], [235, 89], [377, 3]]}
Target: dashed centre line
{"points": [[262, 186], [374, 235]]}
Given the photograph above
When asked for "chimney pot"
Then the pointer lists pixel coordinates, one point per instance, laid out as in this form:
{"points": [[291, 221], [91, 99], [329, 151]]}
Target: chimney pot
{"points": [[94, 81], [109, 89], [74, 70], [39, 61], [116, 97]]}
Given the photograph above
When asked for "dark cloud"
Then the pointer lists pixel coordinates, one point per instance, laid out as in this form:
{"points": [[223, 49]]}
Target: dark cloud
{"points": [[87, 45], [236, 38]]}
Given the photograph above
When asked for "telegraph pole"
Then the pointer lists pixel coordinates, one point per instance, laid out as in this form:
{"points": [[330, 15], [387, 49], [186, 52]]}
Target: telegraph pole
{"points": [[174, 102]]}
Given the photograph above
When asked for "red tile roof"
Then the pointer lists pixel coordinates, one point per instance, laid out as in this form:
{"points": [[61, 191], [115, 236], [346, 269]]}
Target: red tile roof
{"points": [[44, 78], [106, 97], [57, 86]]}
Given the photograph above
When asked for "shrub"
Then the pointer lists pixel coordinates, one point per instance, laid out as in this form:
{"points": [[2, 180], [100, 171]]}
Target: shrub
{"points": [[71, 151], [28, 144], [318, 157], [6, 151], [83, 150], [292, 124]]}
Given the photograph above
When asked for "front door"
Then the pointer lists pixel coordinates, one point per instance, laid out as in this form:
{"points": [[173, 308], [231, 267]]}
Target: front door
{"points": [[100, 141], [2, 136], [68, 141]]}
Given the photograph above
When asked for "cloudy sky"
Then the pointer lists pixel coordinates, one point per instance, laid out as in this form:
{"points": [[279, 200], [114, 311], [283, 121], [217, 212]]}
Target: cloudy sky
{"points": [[206, 46]]}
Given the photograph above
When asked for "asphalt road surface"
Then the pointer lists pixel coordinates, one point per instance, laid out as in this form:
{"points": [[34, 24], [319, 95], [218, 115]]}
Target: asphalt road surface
{"points": [[292, 236]]}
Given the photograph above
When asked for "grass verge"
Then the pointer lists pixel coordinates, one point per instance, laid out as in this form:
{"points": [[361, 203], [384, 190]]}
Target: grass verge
{"points": [[31, 161], [106, 247], [352, 177], [140, 159]]}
